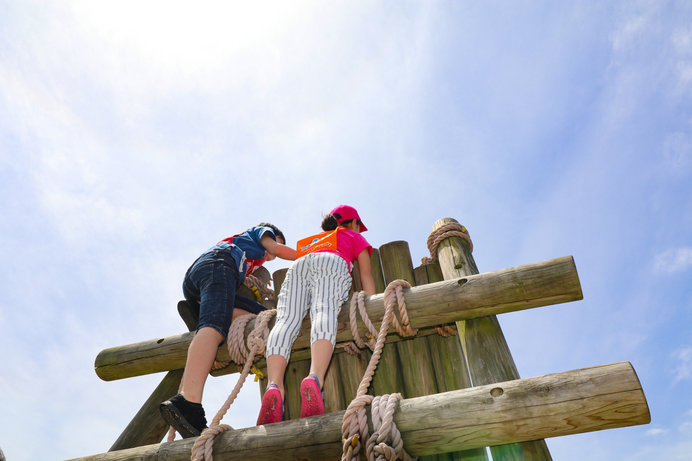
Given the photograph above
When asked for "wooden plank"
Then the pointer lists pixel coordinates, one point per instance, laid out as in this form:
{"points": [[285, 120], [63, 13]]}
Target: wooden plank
{"points": [[448, 361], [507, 290], [415, 362], [295, 372], [333, 389], [571, 402], [488, 357]]}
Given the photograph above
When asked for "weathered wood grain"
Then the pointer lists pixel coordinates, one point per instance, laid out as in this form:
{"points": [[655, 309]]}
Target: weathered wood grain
{"points": [[523, 287], [571, 402]]}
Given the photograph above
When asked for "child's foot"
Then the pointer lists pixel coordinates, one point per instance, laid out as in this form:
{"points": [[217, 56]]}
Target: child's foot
{"points": [[186, 417], [272, 410], [311, 401]]}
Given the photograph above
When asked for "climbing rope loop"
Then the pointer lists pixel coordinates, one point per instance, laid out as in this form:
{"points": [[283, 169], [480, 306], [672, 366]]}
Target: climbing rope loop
{"points": [[354, 427]]}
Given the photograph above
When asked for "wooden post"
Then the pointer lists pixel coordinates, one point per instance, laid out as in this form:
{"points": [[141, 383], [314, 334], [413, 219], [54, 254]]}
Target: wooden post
{"points": [[148, 426], [448, 361], [353, 366], [414, 361], [485, 348], [559, 404]]}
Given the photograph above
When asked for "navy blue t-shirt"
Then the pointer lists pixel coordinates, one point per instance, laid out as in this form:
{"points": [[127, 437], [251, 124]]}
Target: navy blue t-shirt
{"points": [[246, 248]]}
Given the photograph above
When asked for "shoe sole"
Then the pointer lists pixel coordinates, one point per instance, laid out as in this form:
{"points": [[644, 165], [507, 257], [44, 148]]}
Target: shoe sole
{"points": [[173, 417], [311, 402], [271, 411]]}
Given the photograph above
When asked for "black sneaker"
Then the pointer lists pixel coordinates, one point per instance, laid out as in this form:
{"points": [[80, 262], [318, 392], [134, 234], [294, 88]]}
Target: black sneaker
{"points": [[186, 417]]}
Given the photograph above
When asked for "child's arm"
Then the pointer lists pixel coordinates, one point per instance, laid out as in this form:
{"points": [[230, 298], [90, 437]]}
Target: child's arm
{"points": [[366, 272], [278, 249]]}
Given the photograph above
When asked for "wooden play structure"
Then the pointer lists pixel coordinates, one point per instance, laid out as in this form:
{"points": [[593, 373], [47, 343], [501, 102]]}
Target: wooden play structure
{"points": [[460, 387]]}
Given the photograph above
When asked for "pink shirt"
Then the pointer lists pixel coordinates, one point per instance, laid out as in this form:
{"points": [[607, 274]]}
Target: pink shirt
{"points": [[350, 245]]}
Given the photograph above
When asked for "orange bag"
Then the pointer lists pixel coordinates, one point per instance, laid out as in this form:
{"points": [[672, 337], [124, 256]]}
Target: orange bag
{"points": [[323, 241]]}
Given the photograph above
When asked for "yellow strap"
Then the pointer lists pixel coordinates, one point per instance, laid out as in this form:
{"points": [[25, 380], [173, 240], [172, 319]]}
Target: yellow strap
{"points": [[258, 373]]}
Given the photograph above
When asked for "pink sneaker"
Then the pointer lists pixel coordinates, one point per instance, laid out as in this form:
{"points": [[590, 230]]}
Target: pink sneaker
{"points": [[311, 402], [272, 410]]}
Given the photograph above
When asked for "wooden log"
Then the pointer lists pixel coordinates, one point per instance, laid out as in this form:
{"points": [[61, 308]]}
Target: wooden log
{"points": [[448, 361], [353, 366], [333, 389], [485, 348], [415, 362], [295, 372], [571, 402], [507, 290], [387, 378]]}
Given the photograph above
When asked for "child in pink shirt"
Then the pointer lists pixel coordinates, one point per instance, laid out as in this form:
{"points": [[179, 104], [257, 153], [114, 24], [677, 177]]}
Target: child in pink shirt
{"points": [[318, 282]]}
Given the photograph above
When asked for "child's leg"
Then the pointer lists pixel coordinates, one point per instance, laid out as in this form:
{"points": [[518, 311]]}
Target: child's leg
{"points": [[276, 368], [320, 356], [291, 306], [200, 358], [217, 284], [332, 284]]}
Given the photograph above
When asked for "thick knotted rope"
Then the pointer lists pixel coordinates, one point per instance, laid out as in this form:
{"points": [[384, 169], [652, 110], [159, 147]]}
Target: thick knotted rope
{"points": [[355, 424], [256, 345], [385, 444], [452, 229]]}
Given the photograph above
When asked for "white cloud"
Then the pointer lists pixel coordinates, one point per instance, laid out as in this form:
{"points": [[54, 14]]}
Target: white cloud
{"points": [[656, 431], [683, 369], [686, 428], [682, 46], [674, 260]]}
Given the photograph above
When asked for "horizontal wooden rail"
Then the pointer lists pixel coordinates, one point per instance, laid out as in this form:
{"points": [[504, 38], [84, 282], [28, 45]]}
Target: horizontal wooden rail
{"points": [[571, 402], [507, 290]]}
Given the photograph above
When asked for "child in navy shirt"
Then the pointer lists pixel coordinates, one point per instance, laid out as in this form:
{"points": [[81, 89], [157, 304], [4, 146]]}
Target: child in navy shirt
{"points": [[211, 281]]}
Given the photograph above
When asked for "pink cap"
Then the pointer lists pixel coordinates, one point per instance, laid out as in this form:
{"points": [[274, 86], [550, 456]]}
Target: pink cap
{"points": [[347, 213]]}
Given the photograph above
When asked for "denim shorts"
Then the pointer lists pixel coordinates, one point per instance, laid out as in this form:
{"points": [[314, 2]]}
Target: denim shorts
{"points": [[212, 281]]}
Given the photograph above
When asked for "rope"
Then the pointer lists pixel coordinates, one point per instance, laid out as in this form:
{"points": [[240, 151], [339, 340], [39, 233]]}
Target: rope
{"points": [[453, 229], [259, 288], [257, 342], [448, 329], [385, 444], [355, 423]]}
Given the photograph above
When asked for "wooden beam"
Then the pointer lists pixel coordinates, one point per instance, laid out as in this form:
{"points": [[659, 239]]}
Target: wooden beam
{"points": [[507, 290], [571, 402]]}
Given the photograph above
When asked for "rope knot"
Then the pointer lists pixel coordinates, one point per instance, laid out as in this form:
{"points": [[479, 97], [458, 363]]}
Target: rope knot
{"points": [[452, 229]]}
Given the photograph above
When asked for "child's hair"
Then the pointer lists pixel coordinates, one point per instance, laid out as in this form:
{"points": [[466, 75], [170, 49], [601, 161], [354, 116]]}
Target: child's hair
{"points": [[331, 222], [276, 230]]}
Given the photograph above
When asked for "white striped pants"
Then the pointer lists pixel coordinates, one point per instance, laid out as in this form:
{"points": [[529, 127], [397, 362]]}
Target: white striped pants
{"points": [[318, 283]]}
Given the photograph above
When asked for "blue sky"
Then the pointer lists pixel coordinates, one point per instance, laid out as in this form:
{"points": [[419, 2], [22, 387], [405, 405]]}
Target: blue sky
{"points": [[133, 135]]}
